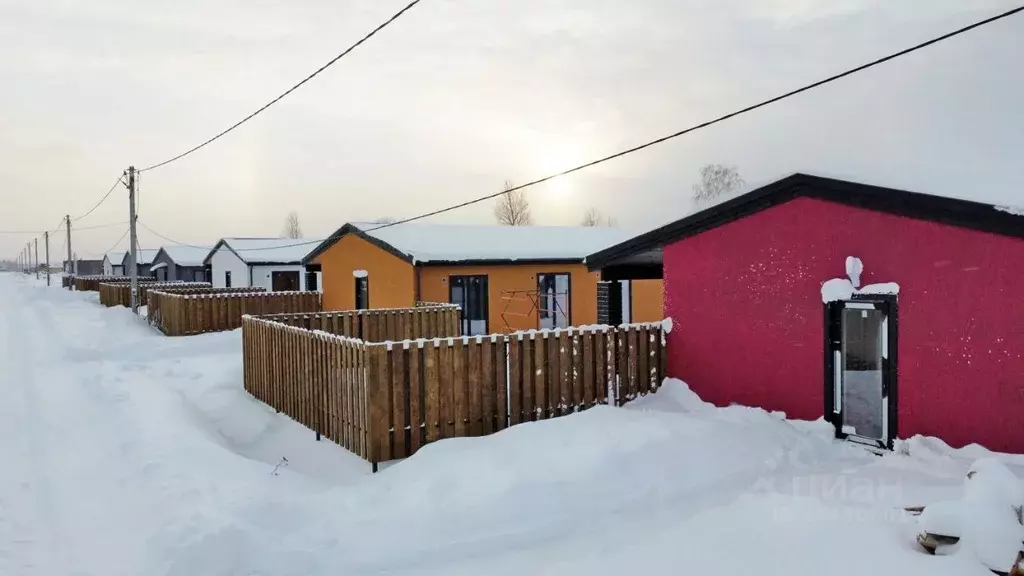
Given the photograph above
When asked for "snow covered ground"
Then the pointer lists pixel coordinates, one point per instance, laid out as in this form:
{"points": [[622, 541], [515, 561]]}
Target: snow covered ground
{"points": [[125, 452]]}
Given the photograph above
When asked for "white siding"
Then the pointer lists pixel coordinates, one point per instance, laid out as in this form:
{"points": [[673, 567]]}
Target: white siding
{"points": [[108, 269], [261, 275], [224, 260]]}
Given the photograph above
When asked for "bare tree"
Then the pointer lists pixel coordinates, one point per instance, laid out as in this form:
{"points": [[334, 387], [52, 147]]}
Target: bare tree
{"points": [[716, 182], [594, 218], [291, 226], [512, 208]]}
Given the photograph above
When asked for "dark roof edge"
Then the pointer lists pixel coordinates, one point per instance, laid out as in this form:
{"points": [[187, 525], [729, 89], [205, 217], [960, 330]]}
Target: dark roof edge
{"points": [[502, 262], [353, 229], [944, 210]]}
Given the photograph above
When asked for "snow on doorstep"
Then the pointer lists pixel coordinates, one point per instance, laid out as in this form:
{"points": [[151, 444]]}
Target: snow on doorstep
{"points": [[457, 242], [840, 289], [187, 255], [276, 250]]}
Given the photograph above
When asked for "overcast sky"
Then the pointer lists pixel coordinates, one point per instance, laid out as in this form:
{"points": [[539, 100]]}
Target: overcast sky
{"points": [[460, 95]]}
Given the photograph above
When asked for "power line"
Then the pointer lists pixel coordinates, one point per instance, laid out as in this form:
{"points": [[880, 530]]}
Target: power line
{"points": [[102, 200], [290, 90], [762, 104], [115, 243], [173, 241], [98, 226]]}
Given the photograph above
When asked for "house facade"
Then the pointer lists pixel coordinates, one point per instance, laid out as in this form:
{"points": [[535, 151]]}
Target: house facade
{"points": [[112, 263], [184, 263], [143, 261], [890, 313], [80, 267], [271, 263], [504, 278]]}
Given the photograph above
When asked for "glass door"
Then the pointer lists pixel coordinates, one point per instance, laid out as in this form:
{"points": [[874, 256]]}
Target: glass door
{"points": [[470, 293], [862, 370]]}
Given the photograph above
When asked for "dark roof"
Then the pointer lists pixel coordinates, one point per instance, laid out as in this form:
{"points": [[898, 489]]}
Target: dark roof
{"points": [[941, 209]]}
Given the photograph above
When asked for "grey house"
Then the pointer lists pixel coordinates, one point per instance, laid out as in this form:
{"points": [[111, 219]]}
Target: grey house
{"points": [[184, 263], [84, 267], [144, 259]]}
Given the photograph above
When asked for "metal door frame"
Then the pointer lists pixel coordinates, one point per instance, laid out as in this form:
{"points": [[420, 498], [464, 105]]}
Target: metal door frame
{"points": [[833, 352]]}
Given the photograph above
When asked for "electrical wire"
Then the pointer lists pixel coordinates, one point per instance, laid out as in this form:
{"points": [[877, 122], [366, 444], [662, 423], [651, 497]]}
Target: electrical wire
{"points": [[98, 226], [708, 123], [120, 179], [173, 241], [290, 90], [116, 243]]}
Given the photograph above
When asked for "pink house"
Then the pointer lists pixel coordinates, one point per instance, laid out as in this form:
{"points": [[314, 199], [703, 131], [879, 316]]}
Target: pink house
{"points": [[890, 313]]}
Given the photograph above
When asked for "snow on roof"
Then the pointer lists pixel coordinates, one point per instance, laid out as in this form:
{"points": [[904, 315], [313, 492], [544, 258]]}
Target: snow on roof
{"points": [[187, 255], [116, 256], [459, 242], [142, 256], [255, 250]]}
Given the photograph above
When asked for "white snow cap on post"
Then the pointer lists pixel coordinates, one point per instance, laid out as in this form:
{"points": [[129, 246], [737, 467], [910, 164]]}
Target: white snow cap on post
{"points": [[360, 273], [854, 267]]}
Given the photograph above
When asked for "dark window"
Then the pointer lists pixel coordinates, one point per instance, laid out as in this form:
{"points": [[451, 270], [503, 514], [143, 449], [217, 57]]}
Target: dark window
{"points": [[199, 276], [470, 293], [553, 300], [311, 283], [227, 279], [161, 274], [284, 281], [362, 293]]}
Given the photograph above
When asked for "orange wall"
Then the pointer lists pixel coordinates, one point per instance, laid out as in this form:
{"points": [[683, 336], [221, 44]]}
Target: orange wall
{"points": [[648, 301], [502, 280], [391, 279]]}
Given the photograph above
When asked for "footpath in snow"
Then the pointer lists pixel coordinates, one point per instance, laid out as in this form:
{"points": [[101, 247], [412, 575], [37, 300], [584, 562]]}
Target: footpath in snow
{"points": [[126, 452]]}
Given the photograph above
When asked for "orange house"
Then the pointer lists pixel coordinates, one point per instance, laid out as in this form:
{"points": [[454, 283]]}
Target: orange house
{"points": [[505, 278]]}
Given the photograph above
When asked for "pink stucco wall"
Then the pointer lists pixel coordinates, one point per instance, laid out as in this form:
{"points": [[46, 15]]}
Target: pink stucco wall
{"points": [[745, 300]]}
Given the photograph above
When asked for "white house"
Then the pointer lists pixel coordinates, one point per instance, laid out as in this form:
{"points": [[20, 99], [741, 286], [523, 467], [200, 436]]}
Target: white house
{"points": [[271, 263], [112, 263]]}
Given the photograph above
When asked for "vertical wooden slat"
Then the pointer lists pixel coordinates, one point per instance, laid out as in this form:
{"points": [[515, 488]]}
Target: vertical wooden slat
{"points": [[552, 380], [643, 358], [460, 388], [473, 384], [447, 390], [621, 370], [380, 408], [416, 397], [433, 386], [486, 382], [586, 338], [632, 359], [498, 347], [565, 400], [399, 400], [601, 366], [540, 367], [516, 380]]}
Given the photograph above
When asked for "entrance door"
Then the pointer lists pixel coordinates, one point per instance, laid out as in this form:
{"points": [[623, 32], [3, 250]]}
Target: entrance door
{"points": [[284, 281], [860, 389], [470, 292]]}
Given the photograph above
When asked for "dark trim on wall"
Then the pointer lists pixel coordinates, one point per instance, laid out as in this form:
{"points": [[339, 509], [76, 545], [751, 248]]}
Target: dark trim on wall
{"points": [[944, 210], [632, 272], [504, 262]]}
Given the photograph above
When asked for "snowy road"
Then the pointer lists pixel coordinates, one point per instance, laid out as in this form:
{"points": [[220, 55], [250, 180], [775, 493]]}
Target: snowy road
{"points": [[125, 452]]}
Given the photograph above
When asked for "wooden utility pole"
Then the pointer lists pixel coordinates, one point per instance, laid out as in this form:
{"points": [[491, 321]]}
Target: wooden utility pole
{"points": [[46, 242], [67, 220], [133, 240], [35, 242]]}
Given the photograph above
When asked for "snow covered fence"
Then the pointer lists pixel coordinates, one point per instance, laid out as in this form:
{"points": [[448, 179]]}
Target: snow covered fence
{"points": [[153, 298], [120, 293], [92, 283], [418, 391], [316, 378], [186, 314], [382, 324]]}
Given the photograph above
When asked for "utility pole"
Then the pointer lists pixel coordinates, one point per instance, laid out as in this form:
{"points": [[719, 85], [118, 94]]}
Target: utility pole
{"points": [[35, 242], [67, 220], [46, 241], [133, 240]]}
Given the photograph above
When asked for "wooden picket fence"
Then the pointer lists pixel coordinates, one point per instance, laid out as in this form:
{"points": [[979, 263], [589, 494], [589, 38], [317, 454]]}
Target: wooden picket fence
{"points": [[187, 314], [92, 283], [154, 313], [382, 324], [120, 293], [419, 391]]}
